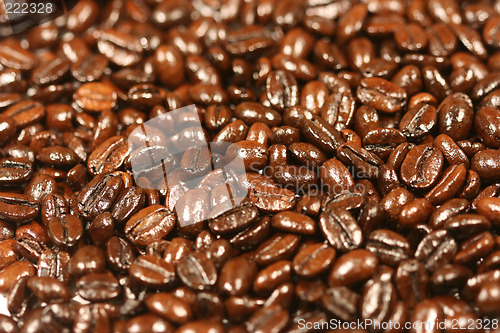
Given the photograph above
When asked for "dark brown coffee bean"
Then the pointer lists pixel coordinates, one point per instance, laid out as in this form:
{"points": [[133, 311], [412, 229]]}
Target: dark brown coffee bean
{"points": [[234, 220], [108, 156], [340, 229], [86, 260], [252, 236], [282, 90], [424, 311], [411, 281], [293, 222], [380, 290], [15, 170], [383, 141], [450, 277], [119, 253], [364, 163], [418, 121], [14, 56], [270, 319], [95, 97], [449, 186], [352, 268], [15, 271], [487, 126], [98, 287], [17, 208], [442, 39], [436, 249], [485, 163], [237, 276], [152, 271], [381, 94], [170, 307], [278, 247], [65, 230], [455, 116], [428, 161], [149, 224], [389, 246], [25, 113], [99, 195], [341, 302], [197, 271], [272, 198]]}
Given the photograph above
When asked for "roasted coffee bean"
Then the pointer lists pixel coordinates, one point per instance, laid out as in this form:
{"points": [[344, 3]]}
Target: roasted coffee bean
{"points": [[352, 268], [54, 264], [15, 170], [86, 260], [152, 271], [129, 202], [336, 177], [197, 271], [278, 247], [450, 277], [436, 249], [108, 156], [364, 163], [65, 230], [381, 94], [383, 141], [487, 126], [485, 163], [389, 246], [422, 167], [101, 228], [234, 220], [272, 198], [99, 195], [455, 115], [418, 122], [379, 290], [294, 222], [170, 307], [341, 302], [282, 89], [25, 113], [253, 236], [98, 287], [15, 271], [149, 224], [95, 97], [340, 229], [119, 253], [236, 276], [449, 186], [17, 208]]}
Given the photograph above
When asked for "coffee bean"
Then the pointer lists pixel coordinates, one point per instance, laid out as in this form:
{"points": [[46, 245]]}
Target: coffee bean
{"points": [[340, 229], [170, 307], [197, 271], [294, 222], [422, 167], [390, 247], [381, 94], [436, 249], [152, 271], [149, 224], [313, 260], [278, 247]]}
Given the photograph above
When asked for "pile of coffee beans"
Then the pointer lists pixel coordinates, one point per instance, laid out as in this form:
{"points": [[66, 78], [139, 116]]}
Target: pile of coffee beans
{"points": [[370, 135]]}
